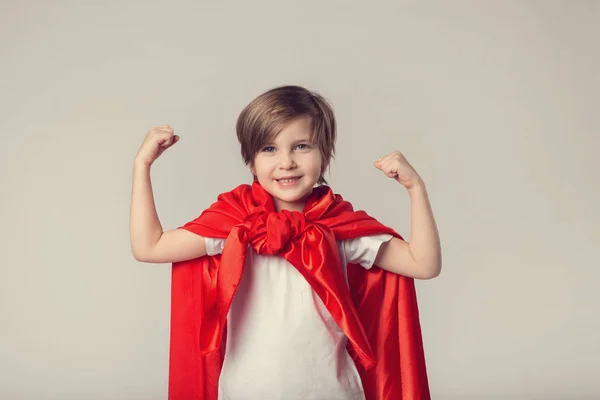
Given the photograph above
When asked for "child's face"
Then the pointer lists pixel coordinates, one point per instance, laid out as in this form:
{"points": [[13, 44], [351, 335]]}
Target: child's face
{"points": [[291, 155]]}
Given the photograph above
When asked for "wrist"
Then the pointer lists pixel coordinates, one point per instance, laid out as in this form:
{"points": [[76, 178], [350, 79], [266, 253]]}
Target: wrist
{"points": [[417, 186], [139, 163]]}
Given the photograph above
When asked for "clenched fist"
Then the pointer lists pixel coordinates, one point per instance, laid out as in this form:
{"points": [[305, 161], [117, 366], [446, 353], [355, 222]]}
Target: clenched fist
{"points": [[156, 142], [395, 166]]}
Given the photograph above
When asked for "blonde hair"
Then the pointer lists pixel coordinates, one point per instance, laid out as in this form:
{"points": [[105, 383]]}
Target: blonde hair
{"points": [[266, 115]]}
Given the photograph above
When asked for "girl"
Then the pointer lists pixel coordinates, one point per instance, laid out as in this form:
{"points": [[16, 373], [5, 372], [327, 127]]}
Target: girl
{"points": [[280, 289]]}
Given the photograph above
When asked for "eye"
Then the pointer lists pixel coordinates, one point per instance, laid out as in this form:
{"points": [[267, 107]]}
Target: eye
{"points": [[269, 149], [303, 146]]}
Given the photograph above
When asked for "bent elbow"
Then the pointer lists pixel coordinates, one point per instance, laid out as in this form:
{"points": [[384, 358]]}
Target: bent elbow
{"points": [[139, 255], [432, 273]]}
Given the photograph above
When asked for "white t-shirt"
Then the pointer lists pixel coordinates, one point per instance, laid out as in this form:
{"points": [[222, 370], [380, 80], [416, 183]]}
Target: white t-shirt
{"points": [[282, 343]]}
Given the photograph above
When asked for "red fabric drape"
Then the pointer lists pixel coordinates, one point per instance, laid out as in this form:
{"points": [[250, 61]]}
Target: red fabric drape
{"points": [[378, 313]]}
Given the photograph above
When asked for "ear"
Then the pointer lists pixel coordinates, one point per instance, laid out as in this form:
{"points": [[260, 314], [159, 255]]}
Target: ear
{"points": [[252, 168], [324, 167]]}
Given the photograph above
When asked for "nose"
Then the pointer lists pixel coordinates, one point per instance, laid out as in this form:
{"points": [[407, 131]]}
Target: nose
{"points": [[287, 162]]}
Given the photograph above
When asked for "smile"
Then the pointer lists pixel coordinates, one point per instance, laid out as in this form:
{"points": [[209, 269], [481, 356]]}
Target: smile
{"points": [[288, 181]]}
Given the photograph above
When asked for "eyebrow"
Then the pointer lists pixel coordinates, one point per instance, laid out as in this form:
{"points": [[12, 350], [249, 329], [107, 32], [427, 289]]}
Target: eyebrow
{"points": [[302, 141], [293, 143]]}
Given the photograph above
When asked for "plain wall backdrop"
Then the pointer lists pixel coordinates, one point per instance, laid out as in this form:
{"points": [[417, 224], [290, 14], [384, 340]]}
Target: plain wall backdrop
{"points": [[495, 104]]}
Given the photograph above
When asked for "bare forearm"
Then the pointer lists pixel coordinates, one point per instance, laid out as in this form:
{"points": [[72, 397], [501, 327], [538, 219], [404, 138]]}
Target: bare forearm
{"points": [[144, 224], [424, 237]]}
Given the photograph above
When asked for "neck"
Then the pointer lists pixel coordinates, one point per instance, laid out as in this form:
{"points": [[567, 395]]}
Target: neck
{"points": [[281, 205]]}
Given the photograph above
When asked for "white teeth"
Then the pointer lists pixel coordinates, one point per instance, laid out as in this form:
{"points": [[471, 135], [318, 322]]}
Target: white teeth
{"points": [[287, 180]]}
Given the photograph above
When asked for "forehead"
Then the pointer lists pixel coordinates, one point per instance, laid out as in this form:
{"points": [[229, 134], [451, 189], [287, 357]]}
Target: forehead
{"points": [[298, 129]]}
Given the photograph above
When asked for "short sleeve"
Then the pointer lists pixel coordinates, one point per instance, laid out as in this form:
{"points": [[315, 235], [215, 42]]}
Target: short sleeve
{"points": [[363, 250], [214, 246]]}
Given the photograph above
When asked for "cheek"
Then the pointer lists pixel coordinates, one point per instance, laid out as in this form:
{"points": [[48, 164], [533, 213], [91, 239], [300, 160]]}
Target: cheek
{"points": [[262, 166], [316, 163]]}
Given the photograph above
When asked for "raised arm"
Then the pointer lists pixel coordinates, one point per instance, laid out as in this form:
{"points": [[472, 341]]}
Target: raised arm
{"points": [[421, 258], [148, 241]]}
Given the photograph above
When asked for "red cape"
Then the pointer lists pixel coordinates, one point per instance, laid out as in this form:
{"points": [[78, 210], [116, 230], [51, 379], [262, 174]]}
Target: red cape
{"points": [[378, 314]]}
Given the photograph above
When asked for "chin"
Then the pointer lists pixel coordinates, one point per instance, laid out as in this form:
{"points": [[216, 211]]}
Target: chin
{"points": [[293, 199]]}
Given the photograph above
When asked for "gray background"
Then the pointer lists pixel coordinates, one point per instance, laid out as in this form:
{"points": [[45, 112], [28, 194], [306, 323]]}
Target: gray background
{"points": [[494, 103]]}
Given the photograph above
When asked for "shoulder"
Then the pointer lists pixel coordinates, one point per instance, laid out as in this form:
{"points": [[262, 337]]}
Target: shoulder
{"points": [[363, 250], [237, 191], [214, 246], [367, 240]]}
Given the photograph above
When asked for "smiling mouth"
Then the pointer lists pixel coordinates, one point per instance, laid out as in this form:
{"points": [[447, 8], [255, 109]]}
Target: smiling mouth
{"points": [[288, 180]]}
